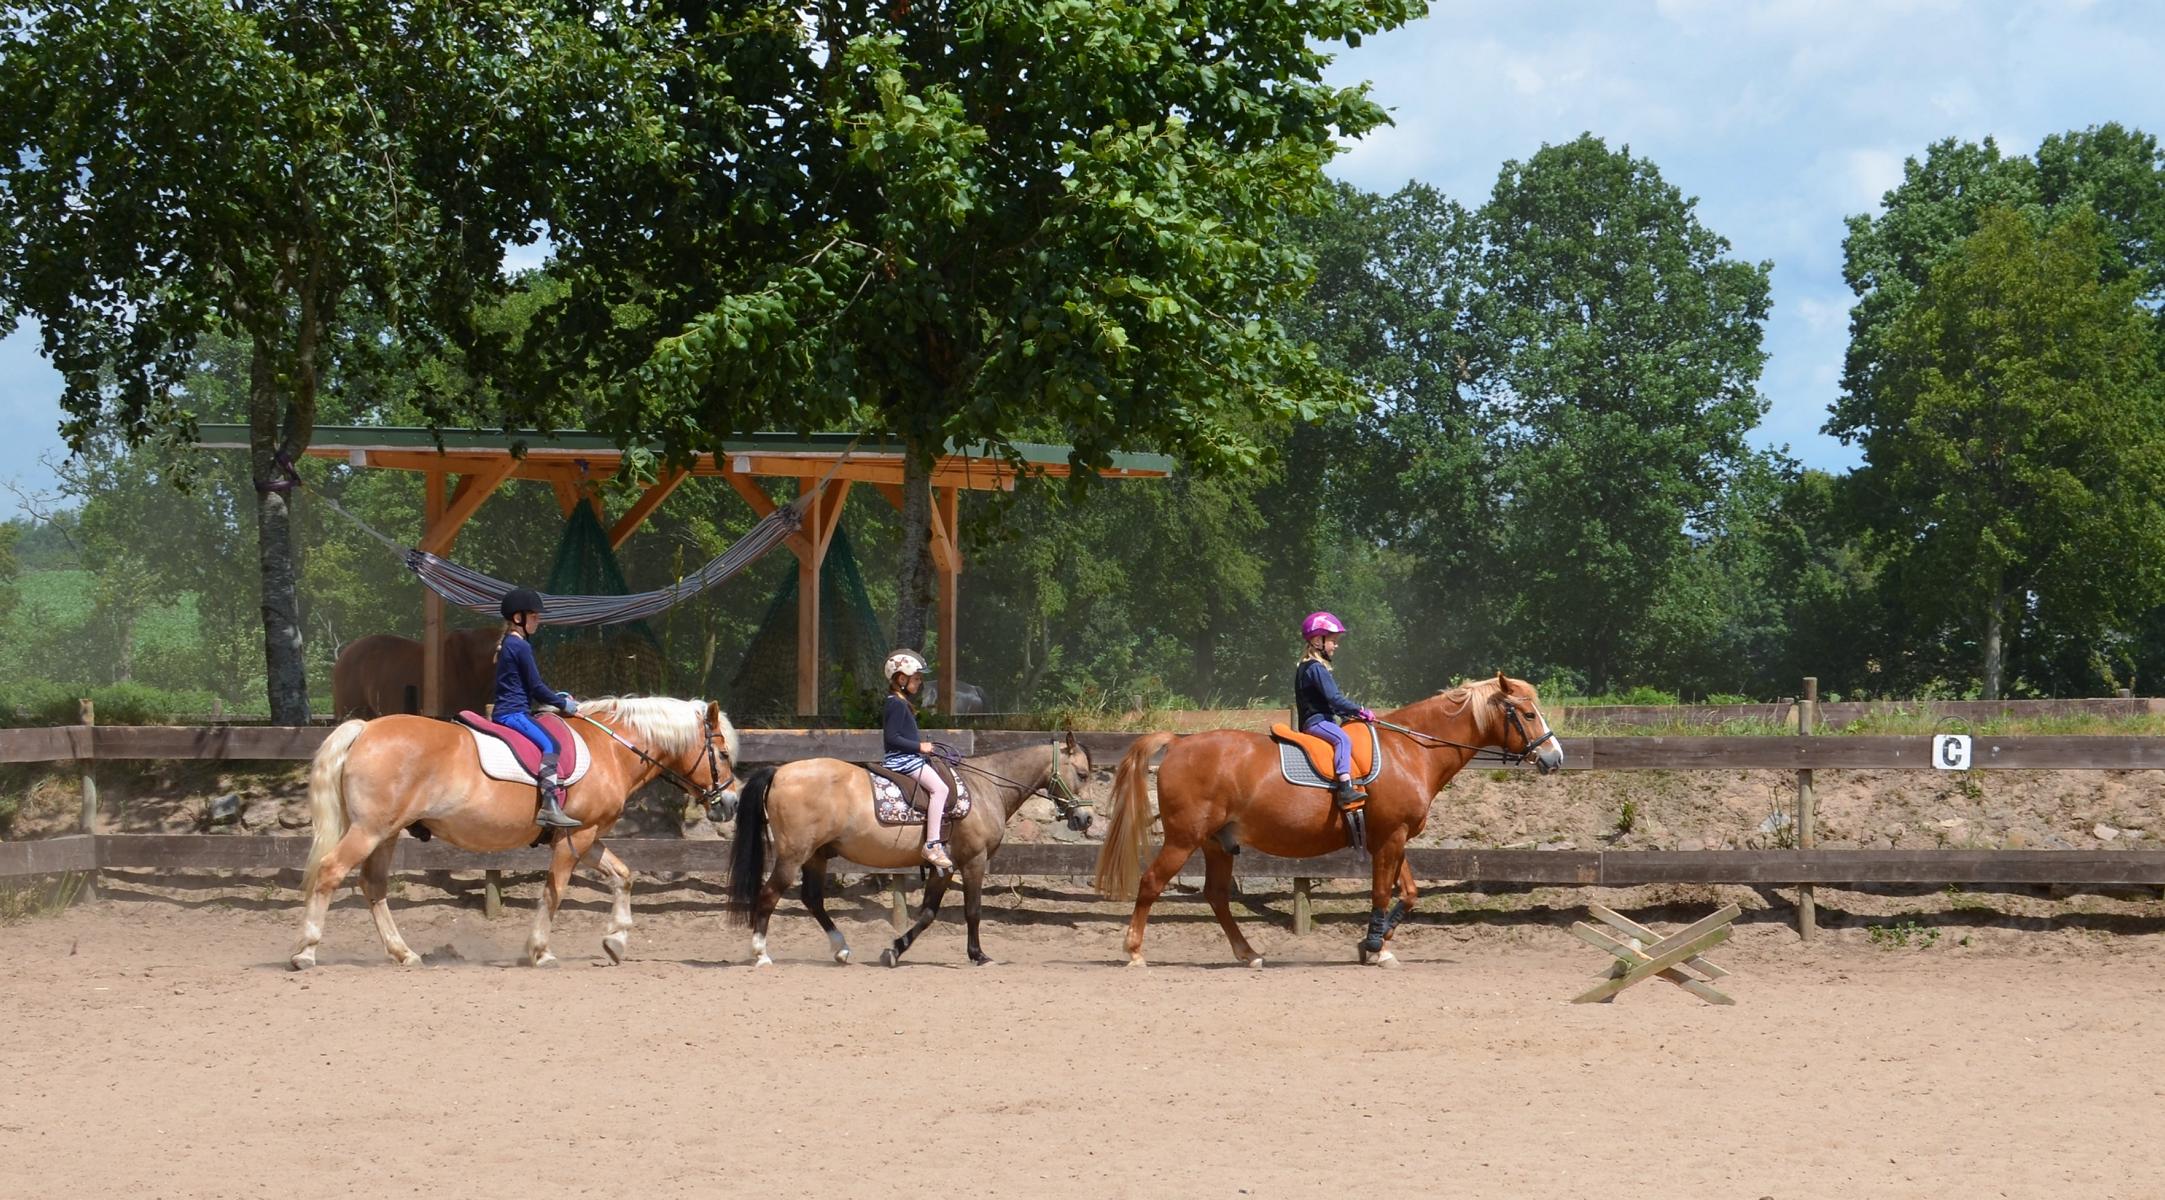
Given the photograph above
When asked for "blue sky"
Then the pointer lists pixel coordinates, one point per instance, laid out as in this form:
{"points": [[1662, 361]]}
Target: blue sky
{"points": [[1781, 116]]}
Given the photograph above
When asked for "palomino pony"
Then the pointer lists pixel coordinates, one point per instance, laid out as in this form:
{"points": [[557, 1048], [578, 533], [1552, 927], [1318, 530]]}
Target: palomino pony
{"points": [[1222, 789], [817, 808], [371, 779]]}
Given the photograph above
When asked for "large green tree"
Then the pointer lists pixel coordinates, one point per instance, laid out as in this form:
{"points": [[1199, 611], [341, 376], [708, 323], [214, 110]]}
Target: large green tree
{"points": [[2019, 450], [1620, 363], [964, 222], [266, 171]]}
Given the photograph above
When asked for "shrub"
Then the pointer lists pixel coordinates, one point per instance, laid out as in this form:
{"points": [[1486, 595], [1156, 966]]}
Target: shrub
{"points": [[43, 702]]}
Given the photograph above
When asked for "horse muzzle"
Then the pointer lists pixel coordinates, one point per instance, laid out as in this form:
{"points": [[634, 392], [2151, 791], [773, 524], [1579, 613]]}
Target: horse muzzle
{"points": [[1550, 757], [723, 808]]}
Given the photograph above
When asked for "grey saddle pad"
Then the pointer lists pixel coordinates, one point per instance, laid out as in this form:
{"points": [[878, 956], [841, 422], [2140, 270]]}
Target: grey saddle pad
{"points": [[1294, 765]]}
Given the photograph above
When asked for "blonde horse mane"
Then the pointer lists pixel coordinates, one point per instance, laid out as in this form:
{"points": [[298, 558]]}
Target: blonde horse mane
{"points": [[667, 725], [1475, 695]]}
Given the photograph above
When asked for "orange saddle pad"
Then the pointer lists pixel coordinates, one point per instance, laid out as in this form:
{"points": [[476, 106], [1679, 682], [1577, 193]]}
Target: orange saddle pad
{"points": [[1319, 751]]}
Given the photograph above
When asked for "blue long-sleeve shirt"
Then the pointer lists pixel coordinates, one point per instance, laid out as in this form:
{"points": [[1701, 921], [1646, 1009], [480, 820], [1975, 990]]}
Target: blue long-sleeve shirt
{"points": [[902, 736], [1316, 694], [518, 680]]}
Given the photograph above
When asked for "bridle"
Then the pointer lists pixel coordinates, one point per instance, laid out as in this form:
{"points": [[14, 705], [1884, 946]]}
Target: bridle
{"points": [[706, 797], [1528, 742]]}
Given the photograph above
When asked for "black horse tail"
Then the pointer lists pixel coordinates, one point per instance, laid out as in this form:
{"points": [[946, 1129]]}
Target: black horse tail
{"points": [[748, 858]]}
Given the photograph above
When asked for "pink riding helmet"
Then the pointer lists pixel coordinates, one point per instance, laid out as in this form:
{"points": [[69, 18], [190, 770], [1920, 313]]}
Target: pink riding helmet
{"points": [[1320, 623]]}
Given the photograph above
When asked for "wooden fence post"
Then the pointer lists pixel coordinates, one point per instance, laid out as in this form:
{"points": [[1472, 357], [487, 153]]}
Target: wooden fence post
{"points": [[88, 766], [1807, 818], [1303, 908]]}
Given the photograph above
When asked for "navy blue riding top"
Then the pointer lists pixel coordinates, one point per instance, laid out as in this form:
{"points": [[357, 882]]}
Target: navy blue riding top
{"points": [[519, 688], [1316, 694]]}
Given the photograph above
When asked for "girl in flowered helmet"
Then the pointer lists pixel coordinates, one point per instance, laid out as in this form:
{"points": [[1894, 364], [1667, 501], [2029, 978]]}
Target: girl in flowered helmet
{"points": [[1318, 705], [906, 749]]}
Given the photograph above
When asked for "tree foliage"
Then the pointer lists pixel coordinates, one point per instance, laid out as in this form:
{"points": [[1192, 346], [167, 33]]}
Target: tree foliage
{"points": [[269, 172], [973, 223], [2020, 450]]}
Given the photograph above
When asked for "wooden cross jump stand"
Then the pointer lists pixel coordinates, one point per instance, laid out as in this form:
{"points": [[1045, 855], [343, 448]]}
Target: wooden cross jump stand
{"points": [[1642, 953]]}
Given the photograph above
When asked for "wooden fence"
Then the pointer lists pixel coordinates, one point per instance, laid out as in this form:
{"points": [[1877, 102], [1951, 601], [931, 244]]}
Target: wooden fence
{"points": [[112, 743], [87, 744]]}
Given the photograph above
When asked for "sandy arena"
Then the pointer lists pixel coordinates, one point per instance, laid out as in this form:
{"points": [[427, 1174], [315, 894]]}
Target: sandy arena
{"points": [[153, 1048]]}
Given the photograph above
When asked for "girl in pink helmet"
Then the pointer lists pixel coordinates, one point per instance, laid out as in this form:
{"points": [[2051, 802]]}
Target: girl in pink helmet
{"points": [[1318, 705]]}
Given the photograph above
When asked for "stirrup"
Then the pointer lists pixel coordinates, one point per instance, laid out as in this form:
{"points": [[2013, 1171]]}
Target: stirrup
{"points": [[935, 856]]}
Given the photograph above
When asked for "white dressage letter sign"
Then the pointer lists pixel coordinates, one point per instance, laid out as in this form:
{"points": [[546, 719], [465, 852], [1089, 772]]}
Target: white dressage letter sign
{"points": [[1951, 751]]}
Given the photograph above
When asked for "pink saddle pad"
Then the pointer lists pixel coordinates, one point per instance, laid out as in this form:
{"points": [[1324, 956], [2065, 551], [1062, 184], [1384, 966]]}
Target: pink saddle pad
{"points": [[528, 754]]}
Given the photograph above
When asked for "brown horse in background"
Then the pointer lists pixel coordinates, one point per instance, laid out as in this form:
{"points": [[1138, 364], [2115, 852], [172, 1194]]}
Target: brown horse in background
{"points": [[1223, 789], [372, 779], [380, 674]]}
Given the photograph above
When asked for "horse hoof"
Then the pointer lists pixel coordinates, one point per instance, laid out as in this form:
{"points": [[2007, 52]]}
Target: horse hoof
{"points": [[842, 956], [762, 961], [545, 960], [982, 960], [888, 958], [1256, 963], [1135, 962], [614, 946], [410, 959], [304, 960]]}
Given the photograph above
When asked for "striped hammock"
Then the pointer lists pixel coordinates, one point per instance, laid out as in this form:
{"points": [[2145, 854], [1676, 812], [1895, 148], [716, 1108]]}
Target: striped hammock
{"points": [[470, 589]]}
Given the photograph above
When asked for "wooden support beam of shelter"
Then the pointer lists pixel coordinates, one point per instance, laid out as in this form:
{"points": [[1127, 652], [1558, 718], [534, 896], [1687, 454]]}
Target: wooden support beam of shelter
{"points": [[573, 465]]}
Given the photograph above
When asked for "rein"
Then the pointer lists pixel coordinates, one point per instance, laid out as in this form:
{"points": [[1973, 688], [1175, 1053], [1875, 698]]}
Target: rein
{"points": [[1480, 753], [1064, 800], [706, 795]]}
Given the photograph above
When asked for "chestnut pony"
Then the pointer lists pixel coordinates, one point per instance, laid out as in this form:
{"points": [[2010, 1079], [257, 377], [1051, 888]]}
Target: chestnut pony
{"points": [[371, 779], [1223, 789]]}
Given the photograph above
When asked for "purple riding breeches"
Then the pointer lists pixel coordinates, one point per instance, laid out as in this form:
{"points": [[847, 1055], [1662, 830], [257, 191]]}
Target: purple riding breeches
{"points": [[1341, 744]]}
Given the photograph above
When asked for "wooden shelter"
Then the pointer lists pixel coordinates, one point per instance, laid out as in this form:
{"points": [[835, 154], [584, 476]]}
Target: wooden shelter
{"points": [[462, 469]]}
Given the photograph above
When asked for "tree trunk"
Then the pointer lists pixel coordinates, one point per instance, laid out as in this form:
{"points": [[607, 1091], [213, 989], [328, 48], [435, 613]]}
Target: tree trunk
{"points": [[272, 435], [913, 578], [1993, 614]]}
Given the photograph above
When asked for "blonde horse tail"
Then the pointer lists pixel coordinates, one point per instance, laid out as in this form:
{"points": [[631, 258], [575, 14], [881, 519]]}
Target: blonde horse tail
{"points": [[1120, 862], [327, 796]]}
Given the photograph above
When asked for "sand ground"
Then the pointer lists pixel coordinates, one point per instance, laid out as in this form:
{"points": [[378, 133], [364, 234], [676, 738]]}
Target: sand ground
{"points": [[150, 1047]]}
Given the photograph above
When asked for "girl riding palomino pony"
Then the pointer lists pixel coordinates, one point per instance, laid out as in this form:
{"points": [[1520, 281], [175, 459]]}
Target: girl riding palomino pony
{"points": [[519, 691], [373, 779], [1220, 790]]}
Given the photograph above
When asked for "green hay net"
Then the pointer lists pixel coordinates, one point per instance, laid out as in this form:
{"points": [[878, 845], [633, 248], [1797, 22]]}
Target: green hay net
{"points": [[851, 642], [596, 660]]}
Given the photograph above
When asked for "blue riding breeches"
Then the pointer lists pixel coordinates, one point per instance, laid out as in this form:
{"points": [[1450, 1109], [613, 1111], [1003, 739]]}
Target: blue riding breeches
{"points": [[527, 725], [1341, 744]]}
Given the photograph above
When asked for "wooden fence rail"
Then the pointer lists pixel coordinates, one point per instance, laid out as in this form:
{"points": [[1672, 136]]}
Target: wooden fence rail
{"points": [[1565, 868], [78, 743]]}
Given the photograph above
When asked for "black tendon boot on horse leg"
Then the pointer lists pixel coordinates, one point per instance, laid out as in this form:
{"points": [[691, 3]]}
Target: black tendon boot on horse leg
{"points": [[551, 811]]}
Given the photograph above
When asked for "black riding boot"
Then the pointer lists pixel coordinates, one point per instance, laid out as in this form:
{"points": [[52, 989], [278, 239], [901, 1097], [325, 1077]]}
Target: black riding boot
{"points": [[1344, 795], [551, 811]]}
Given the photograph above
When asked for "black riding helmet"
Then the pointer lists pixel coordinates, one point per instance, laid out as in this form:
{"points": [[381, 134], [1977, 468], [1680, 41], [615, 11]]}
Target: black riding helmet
{"points": [[521, 600]]}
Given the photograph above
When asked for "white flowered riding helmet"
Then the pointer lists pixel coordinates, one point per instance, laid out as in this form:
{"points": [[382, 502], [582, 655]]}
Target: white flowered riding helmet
{"points": [[905, 662]]}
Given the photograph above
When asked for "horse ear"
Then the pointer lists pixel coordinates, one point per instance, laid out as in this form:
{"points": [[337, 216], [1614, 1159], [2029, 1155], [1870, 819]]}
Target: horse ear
{"points": [[714, 714], [1503, 682], [1071, 741]]}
